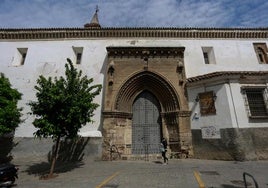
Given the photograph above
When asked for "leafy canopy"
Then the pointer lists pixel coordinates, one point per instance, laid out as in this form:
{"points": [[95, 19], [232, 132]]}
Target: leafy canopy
{"points": [[65, 104], [9, 112]]}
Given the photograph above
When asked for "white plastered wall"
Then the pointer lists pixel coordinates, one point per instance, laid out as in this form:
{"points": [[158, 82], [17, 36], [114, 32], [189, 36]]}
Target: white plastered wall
{"points": [[48, 57]]}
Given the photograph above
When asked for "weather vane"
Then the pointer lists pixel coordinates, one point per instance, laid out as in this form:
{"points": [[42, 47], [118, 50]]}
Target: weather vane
{"points": [[97, 8]]}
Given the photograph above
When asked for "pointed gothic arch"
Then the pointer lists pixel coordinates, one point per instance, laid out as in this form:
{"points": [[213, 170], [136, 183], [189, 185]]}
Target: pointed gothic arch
{"points": [[153, 82]]}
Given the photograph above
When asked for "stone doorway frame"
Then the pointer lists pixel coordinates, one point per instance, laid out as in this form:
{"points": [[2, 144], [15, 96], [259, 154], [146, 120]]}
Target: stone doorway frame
{"points": [[130, 71]]}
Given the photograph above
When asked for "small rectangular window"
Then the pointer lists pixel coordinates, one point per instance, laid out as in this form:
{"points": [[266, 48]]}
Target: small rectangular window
{"points": [[78, 51], [256, 102], [208, 55], [21, 56]]}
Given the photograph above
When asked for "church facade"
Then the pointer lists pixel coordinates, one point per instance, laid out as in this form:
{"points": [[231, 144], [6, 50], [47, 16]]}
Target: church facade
{"points": [[203, 89]]}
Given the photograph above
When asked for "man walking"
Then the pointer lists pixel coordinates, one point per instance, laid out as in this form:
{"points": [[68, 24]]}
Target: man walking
{"points": [[164, 150]]}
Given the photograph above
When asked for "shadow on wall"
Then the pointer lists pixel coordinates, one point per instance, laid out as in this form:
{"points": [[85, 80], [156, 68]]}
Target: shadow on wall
{"points": [[70, 156], [70, 150], [6, 146]]}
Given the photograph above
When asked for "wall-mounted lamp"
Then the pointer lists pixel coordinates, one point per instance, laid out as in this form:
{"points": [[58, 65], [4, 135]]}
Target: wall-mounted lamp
{"points": [[197, 99]]}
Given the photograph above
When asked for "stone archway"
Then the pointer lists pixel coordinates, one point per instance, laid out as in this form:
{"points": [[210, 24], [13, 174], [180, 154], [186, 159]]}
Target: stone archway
{"points": [[128, 76]]}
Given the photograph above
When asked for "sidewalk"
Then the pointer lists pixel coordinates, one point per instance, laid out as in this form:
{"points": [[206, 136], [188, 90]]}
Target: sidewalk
{"points": [[139, 174]]}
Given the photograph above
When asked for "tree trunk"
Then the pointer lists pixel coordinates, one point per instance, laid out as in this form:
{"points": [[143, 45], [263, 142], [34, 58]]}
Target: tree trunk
{"points": [[54, 157]]}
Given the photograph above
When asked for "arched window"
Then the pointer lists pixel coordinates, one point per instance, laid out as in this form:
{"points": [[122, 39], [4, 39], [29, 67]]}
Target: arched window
{"points": [[261, 52]]}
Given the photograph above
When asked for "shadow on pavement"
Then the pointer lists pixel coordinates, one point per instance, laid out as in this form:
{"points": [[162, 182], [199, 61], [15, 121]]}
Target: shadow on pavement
{"points": [[158, 162], [70, 156], [43, 168], [229, 186], [6, 145]]}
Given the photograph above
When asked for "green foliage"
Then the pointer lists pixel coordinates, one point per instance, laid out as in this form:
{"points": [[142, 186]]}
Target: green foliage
{"points": [[9, 112], [64, 105]]}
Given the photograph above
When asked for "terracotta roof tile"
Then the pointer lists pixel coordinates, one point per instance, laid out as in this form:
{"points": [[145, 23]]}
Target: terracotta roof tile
{"points": [[98, 32], [226, 73]]}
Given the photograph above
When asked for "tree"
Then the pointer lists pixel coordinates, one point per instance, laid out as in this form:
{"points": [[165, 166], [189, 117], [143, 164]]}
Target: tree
{"points": [[9, 112], [64, 106]]}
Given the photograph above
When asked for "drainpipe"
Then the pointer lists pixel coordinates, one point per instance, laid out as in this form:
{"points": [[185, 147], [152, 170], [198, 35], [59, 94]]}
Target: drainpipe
{"points": [[236, 119]]}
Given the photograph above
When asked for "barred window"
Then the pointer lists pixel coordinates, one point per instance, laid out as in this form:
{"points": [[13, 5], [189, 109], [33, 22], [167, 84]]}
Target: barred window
{"points": [[256, 102]]}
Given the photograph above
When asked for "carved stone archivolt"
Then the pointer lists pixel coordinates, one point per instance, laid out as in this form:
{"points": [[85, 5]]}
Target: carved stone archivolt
{"points": [[146, 80]]}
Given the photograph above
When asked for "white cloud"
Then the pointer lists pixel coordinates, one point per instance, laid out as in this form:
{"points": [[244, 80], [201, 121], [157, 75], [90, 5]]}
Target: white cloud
{"points": [[134, 13]]}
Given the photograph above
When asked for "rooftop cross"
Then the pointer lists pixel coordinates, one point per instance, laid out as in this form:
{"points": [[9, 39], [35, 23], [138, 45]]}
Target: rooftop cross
{"points": [[97, 9]]}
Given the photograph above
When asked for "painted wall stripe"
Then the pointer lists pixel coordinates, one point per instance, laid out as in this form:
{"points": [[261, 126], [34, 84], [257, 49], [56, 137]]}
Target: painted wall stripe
{"points": [[107, 180], [199, 180]]}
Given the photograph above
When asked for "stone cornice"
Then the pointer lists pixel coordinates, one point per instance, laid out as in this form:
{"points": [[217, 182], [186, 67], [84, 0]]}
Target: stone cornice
{"points": [[116, 114], [84, 33], [145, 51]]}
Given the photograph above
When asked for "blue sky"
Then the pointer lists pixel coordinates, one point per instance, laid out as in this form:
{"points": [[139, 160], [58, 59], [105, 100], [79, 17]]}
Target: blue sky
{"points": [[134, 13]]}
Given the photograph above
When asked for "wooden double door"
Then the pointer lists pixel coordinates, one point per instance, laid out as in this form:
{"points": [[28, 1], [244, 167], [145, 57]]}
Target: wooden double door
{"points": [[147, 126]]}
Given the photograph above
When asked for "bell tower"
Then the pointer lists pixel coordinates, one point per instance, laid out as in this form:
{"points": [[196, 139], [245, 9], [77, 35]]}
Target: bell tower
{"points": [[94, 23]]}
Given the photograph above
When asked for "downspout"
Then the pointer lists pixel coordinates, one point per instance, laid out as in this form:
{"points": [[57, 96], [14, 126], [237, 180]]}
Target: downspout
{"points": [[236, 119]]}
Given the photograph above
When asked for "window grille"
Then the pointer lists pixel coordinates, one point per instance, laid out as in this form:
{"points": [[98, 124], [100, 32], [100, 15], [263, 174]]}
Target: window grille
{"points": [[256, 102]]}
